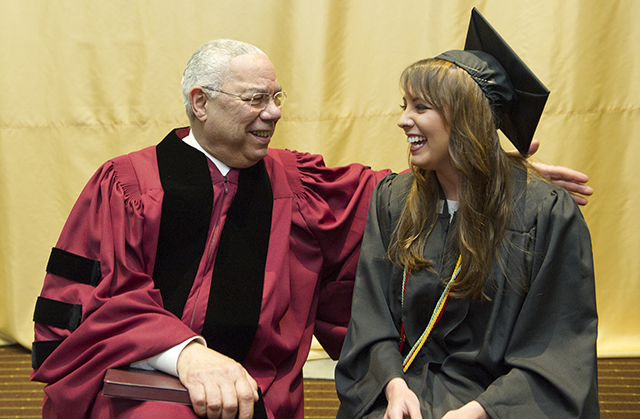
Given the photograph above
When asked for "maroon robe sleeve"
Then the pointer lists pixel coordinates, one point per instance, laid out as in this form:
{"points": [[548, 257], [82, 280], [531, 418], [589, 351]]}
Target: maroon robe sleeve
{"points": [[114, 222], [336, 203]]}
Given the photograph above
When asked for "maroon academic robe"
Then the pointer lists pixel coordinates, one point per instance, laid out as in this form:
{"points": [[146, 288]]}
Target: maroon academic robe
{"points": [[318, 219]]}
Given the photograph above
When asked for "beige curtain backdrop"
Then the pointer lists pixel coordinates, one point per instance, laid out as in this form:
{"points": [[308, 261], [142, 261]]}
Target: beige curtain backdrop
{"points": [[85, 80]]}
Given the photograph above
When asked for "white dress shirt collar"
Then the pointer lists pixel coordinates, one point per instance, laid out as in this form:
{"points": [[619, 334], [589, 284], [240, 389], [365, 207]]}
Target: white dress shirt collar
{"points": [[191, 140]]}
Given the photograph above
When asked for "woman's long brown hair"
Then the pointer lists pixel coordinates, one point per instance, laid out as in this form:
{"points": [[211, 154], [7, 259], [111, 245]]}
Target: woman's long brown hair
{"points": [[484, 178]]}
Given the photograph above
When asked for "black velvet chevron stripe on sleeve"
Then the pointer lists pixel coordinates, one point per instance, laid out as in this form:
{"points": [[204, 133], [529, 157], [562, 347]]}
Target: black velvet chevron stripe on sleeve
{"points": [[41, 350], [74, 267], [57, 314]]}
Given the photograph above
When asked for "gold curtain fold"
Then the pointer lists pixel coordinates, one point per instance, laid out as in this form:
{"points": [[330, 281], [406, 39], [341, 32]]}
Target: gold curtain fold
{"points": [[83, 81]]}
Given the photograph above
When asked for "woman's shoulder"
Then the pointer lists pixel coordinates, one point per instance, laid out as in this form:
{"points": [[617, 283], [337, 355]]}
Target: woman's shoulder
{"points": [[393, 188], [390, 196], [396, 182], [539, 189], [536, 197]]}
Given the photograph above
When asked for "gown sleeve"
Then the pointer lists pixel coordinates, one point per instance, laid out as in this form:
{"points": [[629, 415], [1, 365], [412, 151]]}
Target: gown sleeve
{"points": [[370, 357], [83, 327], [336, 202], [551, 355]]}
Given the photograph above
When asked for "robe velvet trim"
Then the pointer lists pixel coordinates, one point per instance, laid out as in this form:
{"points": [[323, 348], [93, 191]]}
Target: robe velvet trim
{"points": [[235, 298], [75, 267], [41, 350], [57, 314], [186, 213]]}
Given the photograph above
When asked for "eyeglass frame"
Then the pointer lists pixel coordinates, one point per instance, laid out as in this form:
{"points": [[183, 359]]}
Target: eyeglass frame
{"points": [[251, 99]]}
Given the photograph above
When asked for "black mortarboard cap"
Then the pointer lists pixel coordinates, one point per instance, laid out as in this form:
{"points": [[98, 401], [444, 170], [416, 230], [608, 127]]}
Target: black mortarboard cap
{"points": [[516, 95]]}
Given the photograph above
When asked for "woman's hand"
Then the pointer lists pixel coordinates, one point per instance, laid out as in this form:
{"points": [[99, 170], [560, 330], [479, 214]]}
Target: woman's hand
{"points": [[471, 410], [401, 401]]}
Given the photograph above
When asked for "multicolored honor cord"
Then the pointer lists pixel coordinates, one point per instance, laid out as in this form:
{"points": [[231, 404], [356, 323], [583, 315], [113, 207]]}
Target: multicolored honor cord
{"points": [[435, 316]]}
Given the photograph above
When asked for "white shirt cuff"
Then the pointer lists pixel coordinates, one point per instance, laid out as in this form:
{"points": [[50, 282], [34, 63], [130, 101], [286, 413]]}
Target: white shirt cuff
{"points": [[167, 361]]}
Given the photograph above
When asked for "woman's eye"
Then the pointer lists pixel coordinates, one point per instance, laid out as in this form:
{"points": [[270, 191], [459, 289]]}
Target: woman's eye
{"points": [[403, 106]]}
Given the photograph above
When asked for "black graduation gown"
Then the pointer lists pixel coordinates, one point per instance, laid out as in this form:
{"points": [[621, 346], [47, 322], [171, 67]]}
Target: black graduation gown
{"points": [[529, 352]]}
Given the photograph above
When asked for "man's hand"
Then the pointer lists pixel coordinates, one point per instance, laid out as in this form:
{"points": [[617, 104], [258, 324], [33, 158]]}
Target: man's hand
{"points": [[219, 387], [569, 179], [401, 401]]}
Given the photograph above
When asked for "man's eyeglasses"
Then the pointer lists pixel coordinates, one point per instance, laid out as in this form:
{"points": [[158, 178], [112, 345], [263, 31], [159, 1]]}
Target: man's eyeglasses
{"points": [[258, 101]]}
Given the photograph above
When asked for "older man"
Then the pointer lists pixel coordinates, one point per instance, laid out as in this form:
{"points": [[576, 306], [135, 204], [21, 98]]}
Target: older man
{"points": [[208, 256]]}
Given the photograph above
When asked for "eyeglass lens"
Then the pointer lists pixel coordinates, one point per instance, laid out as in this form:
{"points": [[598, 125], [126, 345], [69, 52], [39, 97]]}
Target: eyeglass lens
{"points": [[261, 100]]}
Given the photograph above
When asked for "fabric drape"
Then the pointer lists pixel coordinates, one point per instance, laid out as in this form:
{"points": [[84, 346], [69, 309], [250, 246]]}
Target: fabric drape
{"points": [[82, 82]]}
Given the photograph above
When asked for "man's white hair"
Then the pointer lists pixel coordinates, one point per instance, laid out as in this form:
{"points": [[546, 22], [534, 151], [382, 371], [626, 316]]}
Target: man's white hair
{"points": [[209, 66]]}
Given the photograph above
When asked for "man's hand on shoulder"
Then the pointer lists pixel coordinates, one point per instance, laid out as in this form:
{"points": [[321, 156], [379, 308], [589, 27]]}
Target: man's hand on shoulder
{"points": [[571, 180], [219, 387]]}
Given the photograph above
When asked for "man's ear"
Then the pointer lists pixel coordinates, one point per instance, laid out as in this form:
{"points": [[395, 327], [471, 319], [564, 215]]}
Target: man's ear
{"points": [[198, 99]]}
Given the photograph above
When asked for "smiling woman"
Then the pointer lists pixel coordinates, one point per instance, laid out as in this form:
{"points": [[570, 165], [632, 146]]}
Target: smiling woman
{"points": [[475, 291], [428, 136], [90, 80]]}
